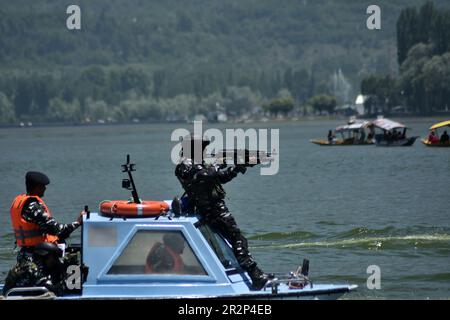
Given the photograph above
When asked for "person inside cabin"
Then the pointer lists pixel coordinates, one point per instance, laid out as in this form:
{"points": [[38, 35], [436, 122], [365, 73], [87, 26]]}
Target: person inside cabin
{"points": [[355, 135], [395, 135], [433, 138], [444, 137], [166, 257], [371, 132], [362, 137], [388, 136]]}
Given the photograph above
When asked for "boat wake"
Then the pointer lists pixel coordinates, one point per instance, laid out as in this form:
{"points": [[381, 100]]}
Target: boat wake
{"points": [[364, 238], [370, 242]]}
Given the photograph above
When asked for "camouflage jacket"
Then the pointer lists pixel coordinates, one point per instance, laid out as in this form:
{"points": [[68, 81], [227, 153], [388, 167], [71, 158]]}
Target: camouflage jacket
{"points": [[203, 182], [34, 212]]}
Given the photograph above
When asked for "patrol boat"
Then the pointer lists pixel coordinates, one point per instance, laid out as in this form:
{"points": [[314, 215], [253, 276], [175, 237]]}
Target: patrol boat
{"points": [[127, 244]]}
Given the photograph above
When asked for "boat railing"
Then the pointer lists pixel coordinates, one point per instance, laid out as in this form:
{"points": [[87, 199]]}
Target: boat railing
{"points": [[22, 293], [294, 281]]}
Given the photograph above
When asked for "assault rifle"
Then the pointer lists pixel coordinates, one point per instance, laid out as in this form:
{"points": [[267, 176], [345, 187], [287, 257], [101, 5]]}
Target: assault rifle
{"points": [[245, 157]]}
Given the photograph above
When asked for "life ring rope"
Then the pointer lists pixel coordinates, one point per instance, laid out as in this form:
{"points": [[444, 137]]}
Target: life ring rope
{"points": [[124, 208]]}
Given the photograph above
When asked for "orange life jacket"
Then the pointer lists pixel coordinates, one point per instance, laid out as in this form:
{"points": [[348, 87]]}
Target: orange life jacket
{"points": [[27, 233], [178, 264]]}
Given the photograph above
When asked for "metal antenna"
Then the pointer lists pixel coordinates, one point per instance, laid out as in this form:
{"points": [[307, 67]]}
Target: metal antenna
{"points": [[128, 168]]}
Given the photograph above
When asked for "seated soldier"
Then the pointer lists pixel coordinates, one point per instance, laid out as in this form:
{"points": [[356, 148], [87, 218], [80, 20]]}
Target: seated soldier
{"points": [[166, 258], [44, 270], [32, 221]]}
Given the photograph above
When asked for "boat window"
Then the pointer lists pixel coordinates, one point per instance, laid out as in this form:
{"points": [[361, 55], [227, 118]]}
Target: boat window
{"points": [[220, 247], [157, 252]]}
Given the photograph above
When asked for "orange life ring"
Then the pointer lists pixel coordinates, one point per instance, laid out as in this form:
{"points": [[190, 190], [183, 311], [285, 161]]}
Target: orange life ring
{"points": [[124, 208]]}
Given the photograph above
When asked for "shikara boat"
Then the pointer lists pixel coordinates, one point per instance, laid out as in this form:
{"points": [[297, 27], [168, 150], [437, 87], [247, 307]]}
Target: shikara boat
{"points": [[435, 128], [352, 134], [393, 134]]}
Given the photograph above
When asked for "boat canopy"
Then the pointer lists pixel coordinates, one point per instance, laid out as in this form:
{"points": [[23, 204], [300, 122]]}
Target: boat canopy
{"points": [[387, 124], [354, 126], [440, 125]]}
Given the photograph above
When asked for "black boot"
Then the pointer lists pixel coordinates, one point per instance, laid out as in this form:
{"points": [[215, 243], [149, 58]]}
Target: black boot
{"points": [[259, 278]]}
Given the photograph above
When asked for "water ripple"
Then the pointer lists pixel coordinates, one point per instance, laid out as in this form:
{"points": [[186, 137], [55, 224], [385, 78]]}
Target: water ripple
{"points": [[393, 242]]}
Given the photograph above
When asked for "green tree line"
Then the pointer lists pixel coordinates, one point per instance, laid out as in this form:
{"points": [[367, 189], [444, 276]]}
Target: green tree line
{"points": [[123, 94], [423, 42], [130, 54]]}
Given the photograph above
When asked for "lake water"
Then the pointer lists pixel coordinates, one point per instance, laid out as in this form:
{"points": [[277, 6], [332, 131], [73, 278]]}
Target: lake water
{"points": [[343, 208]]}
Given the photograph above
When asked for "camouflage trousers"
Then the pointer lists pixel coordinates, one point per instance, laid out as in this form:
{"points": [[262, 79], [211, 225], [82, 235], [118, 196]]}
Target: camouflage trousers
{"points": [[219, 218]]}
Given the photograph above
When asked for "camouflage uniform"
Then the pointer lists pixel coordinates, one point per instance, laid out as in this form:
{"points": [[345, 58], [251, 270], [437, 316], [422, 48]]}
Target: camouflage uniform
{"points": [[32, 273], [203, 186], [160, 260], [34, 212]]}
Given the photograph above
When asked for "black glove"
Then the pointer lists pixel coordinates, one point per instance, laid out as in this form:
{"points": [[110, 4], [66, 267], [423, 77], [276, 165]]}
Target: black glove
{"points": [[240, 168]]}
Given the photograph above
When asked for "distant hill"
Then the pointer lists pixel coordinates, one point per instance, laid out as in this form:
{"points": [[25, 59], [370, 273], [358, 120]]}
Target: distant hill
{"points": [[268, 34], [198, 46]]}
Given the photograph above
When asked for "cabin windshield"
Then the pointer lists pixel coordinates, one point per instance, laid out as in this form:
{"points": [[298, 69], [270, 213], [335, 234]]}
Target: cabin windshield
{"points": [[157, 252], [220, 247]]}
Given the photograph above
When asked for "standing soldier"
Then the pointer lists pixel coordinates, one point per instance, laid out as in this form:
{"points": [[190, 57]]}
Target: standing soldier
{"points": [[32, 221], [203, 185]]}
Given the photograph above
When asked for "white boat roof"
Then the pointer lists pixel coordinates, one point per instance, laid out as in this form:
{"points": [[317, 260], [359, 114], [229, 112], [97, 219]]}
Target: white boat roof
{"points": [[354, 126], [387, 124]]}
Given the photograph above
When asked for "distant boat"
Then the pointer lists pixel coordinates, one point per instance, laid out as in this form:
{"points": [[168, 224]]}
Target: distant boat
{"points": [[393, 134], [352, 134], [435, 128]]}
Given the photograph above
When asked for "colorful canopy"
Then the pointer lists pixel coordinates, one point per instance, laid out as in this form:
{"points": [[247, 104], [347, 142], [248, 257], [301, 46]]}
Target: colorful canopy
{"points": [[387, 124], [440, 125]]}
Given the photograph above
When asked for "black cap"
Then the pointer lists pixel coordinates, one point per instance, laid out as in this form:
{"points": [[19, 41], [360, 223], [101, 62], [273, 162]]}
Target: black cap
{"points": [[47, 248], [34, 177]]}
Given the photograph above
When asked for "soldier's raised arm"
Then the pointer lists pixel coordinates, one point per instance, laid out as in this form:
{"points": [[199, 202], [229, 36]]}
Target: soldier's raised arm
{"points": [[35, 212], [229, 173], [213, 172]]}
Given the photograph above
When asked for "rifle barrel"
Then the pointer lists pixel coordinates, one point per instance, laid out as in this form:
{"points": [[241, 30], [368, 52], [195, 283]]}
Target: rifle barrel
{"points": [[244, 156]]}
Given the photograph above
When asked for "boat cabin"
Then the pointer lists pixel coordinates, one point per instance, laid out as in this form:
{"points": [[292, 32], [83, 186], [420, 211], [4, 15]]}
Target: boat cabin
{"points": [[391, 133], [119, 255], [355, 132]]}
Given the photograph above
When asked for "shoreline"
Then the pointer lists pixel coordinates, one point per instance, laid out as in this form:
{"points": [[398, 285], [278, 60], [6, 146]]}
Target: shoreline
{"points": [[311, 119]]}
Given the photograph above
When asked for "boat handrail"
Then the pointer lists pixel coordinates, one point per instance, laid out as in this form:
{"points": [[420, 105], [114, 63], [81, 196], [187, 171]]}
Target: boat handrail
{"points": [[41, 293], [287, 279]]}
